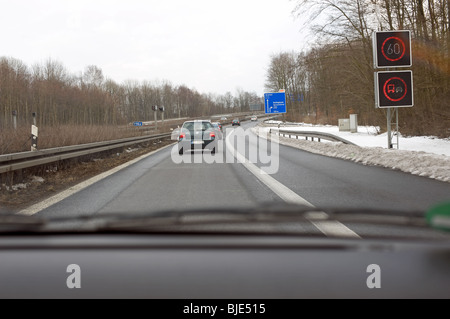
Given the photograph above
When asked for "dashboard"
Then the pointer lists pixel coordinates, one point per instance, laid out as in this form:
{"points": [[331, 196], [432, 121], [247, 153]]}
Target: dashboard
{"points": [[220, 266]]}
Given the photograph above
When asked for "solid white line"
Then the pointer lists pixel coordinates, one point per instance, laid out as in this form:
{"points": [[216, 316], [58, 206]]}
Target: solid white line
{"points": [[328, 227], [36, 208]]}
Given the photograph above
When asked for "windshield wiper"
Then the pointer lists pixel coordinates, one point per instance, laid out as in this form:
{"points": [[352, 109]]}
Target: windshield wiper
{"points": [[267, 218], [265, 214], [18, 223]]}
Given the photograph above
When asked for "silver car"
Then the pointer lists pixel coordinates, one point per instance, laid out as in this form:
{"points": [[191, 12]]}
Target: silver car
{"points": [[198, 134]]}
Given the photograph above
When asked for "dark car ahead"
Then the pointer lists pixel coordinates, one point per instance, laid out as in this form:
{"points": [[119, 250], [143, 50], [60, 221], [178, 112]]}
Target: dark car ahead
{"points": [[219, 129], [236, 122], [218, 126], [197, 135]]}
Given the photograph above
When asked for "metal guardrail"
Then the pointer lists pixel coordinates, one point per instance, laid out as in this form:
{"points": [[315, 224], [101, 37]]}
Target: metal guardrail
{"points": [[312, 135], [17, 161], [22, 160]]}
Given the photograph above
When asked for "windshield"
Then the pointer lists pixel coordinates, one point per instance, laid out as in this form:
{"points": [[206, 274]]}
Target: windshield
{"points": [[325, 137], [333, 115]]}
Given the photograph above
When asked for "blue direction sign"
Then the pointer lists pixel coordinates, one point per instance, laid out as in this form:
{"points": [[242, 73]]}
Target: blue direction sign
{"points": [[275, 102], [137, 124]]}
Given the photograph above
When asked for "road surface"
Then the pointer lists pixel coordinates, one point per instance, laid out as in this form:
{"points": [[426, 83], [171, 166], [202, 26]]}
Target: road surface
{"points": [[158, 183]]}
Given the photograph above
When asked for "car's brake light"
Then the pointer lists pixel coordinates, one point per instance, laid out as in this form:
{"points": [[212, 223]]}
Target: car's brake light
{"points": [[182, 136], [212, 134]]}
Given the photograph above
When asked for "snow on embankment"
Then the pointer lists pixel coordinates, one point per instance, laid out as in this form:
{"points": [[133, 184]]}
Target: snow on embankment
{"points": [[419, 163]]}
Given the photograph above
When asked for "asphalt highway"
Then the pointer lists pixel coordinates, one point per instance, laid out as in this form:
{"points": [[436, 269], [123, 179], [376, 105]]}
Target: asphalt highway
{"points": [[165, 180]]}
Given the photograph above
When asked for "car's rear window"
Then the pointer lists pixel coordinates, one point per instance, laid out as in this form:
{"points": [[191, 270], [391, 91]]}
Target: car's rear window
{"points": [[191, 126]]}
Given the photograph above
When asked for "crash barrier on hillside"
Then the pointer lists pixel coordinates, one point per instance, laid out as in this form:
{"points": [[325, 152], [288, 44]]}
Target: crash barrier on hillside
{"points": [[18, 161], [311, 134]]}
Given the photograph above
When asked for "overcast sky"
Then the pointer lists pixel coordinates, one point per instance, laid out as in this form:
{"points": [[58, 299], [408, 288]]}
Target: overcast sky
{"points": [[210, 45]]}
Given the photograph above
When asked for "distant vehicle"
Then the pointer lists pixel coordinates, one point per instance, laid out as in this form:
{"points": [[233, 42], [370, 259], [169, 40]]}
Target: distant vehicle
{"points": [[217, 125], [197, 134], [254, 118], [236, 122], [218, 128], [223, 118]]}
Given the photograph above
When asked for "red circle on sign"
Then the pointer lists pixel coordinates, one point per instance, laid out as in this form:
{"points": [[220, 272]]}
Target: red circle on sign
{"points": [[386, 94], [399, 40]]}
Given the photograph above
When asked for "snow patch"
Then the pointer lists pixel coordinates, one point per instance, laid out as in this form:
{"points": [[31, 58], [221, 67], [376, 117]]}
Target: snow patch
{"points": [[17, 186], [130, 150], [423, 156], [37, 179], [368, 136]]}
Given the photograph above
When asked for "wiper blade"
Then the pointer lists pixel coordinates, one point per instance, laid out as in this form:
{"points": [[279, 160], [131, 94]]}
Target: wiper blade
{"points": [[15, 223], [268, 214], [176, 219], [379, 216]]}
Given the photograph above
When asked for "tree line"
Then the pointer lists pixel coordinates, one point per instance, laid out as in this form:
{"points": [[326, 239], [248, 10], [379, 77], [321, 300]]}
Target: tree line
{"points": [[335, 77], [58, 97]]}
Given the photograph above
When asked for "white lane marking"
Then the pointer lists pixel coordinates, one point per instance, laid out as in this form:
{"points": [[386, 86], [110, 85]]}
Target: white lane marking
{"points": [[330, 228], [333, 228], [36, 208]]}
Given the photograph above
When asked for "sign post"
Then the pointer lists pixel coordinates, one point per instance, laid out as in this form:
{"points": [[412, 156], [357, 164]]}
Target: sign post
{"points": [[34, 138], [155, 112], [393, 89], [14, 114], [162, 109]]}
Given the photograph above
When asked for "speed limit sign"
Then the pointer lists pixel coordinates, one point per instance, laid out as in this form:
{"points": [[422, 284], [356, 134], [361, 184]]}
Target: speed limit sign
{"points": [[392, 49]]}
